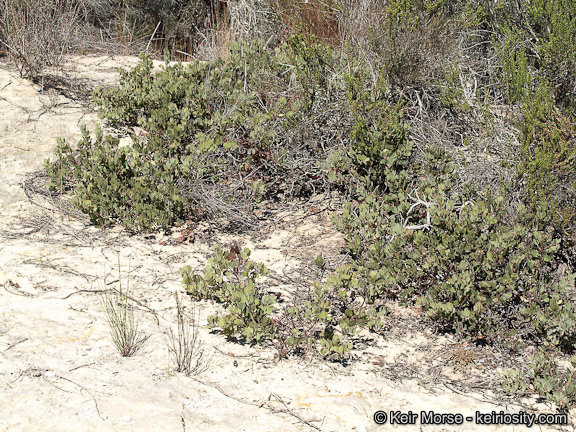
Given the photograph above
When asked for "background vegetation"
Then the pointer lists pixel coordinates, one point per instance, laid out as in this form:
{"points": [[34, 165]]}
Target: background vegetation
{"points": [[447, 126]]}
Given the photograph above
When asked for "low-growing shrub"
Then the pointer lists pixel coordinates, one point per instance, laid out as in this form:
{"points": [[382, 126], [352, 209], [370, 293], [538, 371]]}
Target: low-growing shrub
{"points": [[323, 320], [380, 146], [117, 184], [465, 263], [545, 379], [219, 135], [233, 282], [328, 317]]}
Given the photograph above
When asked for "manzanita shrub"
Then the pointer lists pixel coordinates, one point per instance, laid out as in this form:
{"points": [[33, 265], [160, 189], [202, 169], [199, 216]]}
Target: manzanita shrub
{"points": [[228, 127], [323, 321], [329, 316], [470, 268], [117, 184], [545, 378], [233, 282], [300, 119]]}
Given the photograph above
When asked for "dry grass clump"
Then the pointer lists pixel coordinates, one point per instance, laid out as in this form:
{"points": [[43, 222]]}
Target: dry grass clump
{"points": [[313, 17], [410, 44], [119, 309]]}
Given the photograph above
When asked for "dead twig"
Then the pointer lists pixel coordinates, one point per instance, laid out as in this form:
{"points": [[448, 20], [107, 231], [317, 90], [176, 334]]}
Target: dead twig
{"points": [[418, 202], [15, 343], [87, 391], [82, 291], [264, 404], [81, 366], [233, 355]]}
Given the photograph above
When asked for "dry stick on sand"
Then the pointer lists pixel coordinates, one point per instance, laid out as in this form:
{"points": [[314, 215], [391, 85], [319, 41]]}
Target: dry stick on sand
{"points": [[87, 391], [100, 291], [264, 404], [37, 373]]}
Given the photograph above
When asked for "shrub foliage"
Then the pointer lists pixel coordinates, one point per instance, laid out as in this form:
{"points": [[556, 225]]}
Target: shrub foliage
{"points": [[482, 258]]}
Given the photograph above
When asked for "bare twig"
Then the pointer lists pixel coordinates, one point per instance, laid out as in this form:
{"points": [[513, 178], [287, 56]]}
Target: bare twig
{"points": [[16, 343], [418, 202], [152, 37], [264, 404], [87, 391]]}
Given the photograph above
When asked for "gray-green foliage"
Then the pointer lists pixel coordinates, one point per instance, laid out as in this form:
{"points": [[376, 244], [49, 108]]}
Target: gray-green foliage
{"points": [[234, 283], [477, 262], [330, 316], [209, 126], [379, 149], [117, 184], [323, 321], [545, 378], [469, 267]]}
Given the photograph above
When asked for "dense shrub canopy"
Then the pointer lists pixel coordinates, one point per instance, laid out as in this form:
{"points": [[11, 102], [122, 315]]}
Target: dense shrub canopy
{"points": [[448, 127]]}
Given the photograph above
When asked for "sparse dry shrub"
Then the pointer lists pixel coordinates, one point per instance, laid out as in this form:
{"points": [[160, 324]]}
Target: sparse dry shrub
{"points": [[119, 307], [252, 19], [238, 21], [409, 38], [38, 34], [184, 344], [311, 17], [171, 24]]}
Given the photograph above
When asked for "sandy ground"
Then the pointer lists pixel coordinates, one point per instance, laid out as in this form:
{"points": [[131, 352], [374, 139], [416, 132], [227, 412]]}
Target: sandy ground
{"points": [[59, 370]]}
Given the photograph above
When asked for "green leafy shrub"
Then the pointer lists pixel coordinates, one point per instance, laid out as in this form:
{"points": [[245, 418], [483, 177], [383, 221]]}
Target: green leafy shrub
{"points": [[380, 146], [379, 149], [233, 282], [330, 316], [312, 61], [219, 136], [323, 320], [463, 262], [545, 379], [115, 184], [547, 155], [553, 26], [492, 280]]}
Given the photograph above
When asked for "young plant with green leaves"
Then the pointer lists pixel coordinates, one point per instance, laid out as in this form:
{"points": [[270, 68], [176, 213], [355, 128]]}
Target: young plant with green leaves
{"points": [[546, 379], [233, 283]]}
